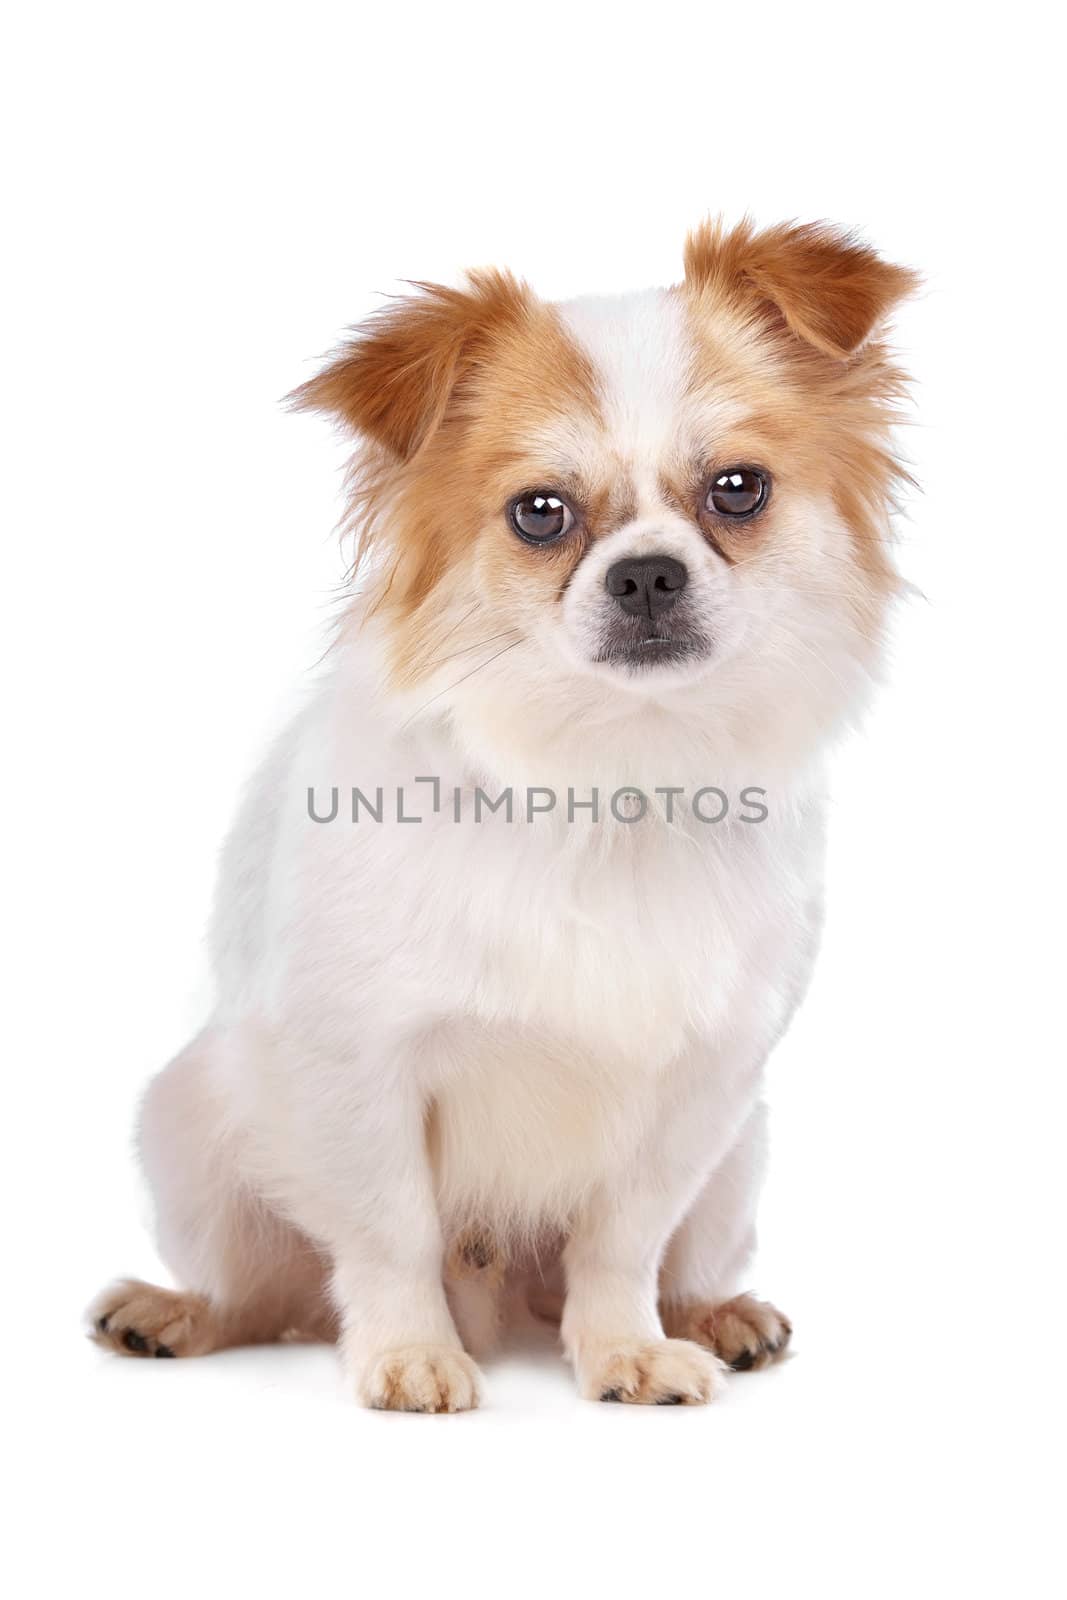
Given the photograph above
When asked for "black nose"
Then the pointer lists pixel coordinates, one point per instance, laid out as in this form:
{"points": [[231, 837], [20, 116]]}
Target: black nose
{"points": [[646, 586]]}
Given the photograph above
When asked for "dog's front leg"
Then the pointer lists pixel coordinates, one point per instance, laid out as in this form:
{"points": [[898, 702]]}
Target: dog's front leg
{"points": [[611, 1326], [358, 1180], [399, 1343]]}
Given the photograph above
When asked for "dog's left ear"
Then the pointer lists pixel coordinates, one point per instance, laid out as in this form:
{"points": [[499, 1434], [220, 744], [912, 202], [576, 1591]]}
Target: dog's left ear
{"points": [[832, 290]]}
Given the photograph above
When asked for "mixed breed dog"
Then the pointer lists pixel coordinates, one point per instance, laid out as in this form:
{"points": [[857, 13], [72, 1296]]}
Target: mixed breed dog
{"points": [[637, 543]]}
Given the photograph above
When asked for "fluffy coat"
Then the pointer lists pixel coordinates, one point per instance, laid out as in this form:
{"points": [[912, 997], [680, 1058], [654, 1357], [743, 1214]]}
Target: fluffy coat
{"points": [[460, 1052]]}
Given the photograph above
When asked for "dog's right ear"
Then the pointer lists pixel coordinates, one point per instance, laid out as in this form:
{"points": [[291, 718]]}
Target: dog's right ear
{"points": [[393, 380]]}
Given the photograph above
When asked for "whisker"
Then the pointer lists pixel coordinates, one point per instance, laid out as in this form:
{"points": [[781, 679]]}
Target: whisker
{"points": [[449, 687], [456, 625], [465, 649], [787, 545], [793, 638], [782, 587], [814, 654]]}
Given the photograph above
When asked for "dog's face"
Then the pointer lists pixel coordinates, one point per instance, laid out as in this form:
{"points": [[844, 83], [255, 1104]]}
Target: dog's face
{"points": [[679, 493]]}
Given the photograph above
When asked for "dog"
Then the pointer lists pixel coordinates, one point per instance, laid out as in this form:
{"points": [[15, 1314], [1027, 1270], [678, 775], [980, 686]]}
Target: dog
{"points": [[516, 909]]}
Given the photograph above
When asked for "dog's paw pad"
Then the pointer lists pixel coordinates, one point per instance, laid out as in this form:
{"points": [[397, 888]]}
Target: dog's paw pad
{"points": [[653, 1372], [427, 1378]]}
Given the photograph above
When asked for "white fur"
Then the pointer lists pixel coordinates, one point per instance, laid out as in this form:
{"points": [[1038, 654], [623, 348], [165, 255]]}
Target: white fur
{"points": [[554, 1031]]}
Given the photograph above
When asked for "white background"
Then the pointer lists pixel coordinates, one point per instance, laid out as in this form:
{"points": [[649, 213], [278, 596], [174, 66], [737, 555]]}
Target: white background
{"points": [[199, 199]]}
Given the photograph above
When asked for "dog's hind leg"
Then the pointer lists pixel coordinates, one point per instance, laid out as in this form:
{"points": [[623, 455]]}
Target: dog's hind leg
{"points": [[707, 1259], [247, 1275]]}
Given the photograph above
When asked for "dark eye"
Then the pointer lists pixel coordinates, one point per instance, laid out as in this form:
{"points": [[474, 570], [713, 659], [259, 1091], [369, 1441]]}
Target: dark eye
{"points": [[737, 492], [541, 517]]}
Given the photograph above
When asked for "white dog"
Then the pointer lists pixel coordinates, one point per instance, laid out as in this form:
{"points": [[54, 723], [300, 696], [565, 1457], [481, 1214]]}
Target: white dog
{"points": [[516, 909]]}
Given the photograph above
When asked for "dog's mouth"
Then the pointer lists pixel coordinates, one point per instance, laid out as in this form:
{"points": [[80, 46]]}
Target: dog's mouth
{"points": [[644, 648]]}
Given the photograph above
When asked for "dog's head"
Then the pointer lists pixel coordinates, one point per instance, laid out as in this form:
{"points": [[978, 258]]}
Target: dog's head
{"points": [[596, 511]]}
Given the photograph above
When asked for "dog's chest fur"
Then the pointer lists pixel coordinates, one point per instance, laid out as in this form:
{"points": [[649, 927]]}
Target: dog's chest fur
{"points": [[549, 975], [583, 989]]}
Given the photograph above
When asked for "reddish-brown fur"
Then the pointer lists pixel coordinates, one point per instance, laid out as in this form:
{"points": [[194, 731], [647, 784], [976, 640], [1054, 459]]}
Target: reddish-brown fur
{"points": [[830, 289], [787, 318], [448, 388]]}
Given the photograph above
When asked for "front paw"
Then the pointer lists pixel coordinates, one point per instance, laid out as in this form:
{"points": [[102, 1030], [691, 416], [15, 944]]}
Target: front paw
{"points": [[649, 1372], [420, 1377]]}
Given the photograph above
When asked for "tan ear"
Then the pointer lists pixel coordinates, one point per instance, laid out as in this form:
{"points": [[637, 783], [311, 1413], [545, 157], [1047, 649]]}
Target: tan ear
{"points": [[832, 290], [393, 379]]}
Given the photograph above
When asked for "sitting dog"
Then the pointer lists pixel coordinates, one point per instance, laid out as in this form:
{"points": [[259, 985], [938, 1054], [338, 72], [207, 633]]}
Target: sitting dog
{"points": [[518, 906]]}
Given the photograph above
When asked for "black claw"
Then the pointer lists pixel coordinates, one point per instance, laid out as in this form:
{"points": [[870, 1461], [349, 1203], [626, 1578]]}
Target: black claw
{"points": [[101, 1324], [672, 1400], [744, 1362], [611, 1394], [164, 1352], [135, 1341]]}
